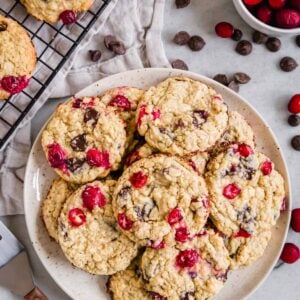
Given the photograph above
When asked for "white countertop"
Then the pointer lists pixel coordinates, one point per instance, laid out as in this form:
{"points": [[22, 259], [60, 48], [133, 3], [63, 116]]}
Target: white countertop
{"points": [[269, 91]]}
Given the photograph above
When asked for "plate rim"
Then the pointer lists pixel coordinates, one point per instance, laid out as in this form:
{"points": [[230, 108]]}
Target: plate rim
{"points": [[208, 81]]}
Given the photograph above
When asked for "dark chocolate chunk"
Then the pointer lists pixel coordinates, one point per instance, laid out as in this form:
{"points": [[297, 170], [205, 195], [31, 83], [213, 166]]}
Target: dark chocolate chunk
{"points": [[181, 38], [182, 3], [95, 55], [259, 37], [179, 64], [233, 85], [196, 43], [288, 64], [237, 35], [241, 78], [3, 26], [79, 143], [91, 115], [243, 48], [273, 44], [222, 78], [74, 163], [296, 142], [294, 120]]}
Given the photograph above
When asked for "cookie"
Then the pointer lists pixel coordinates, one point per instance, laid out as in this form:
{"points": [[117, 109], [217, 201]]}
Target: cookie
{"points": [[87, 231], [84, 140], [160, 200], [17, 58], [195, 270], [181, 115], [58, 193], [50, 10]]}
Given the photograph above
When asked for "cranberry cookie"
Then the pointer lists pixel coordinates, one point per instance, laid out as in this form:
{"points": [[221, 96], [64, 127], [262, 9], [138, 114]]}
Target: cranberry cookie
{"points": [[181, 115], [84, 140], [17, 58]]}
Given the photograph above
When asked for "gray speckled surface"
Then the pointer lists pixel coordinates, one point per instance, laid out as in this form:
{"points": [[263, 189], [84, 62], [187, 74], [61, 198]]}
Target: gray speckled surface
{"points": [[268, 91]]}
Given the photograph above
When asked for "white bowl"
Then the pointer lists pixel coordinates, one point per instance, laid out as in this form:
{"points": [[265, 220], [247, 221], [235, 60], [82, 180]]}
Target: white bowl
{"points": [[260, 26]]}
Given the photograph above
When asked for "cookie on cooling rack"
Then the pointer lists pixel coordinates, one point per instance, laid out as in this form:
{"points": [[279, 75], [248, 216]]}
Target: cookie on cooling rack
{"points": [[53, 10], [17, 58]]}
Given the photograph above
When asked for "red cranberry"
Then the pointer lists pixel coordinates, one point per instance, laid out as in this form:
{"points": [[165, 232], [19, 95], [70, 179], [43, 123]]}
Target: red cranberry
{"points": [[156, 296], [290, 253], [252, 2], [157, 244], [56, 155], [267, 168], [141, 114], [231, 191], [295, 223], [295, 4], [132, 157], [187, 258], [93, 197], [175, 216], [155, 114], [242, 233], [287, 18], [182, 234], [294, 104], [138, 180], [96, 158], [224, 30], [264, 14], [68, 17], [245, 150], [124, 222], [77, 217], [121, 102], [14, 85], [277, 4]]}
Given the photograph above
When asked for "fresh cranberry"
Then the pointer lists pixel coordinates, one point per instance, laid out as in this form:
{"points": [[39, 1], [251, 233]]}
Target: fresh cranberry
{"points": [[132, 157], [283, 204], [56, 155], [242, 233], [295, 4], [157, 245], [231, 191], [96, 158], [295, 223], [175, 216], [287, 18], [277, 4], [187, 258], [245, 150], [224, 30], [156, 296], [124, 222], [155, 114], [290, 253], [266, 168], [264, 14], [121, 102], [14, 85], [93, 197], [68, 17], [294, 104], [182, 234], [138, 180], [142, 113], [252, 2], [77, 217]]}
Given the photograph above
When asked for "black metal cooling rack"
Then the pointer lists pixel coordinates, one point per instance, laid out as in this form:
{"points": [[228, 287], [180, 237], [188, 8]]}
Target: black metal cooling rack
{"points": [[55, 43]]}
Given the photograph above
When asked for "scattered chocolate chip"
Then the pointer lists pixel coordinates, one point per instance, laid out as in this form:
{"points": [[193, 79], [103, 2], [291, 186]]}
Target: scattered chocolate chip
{"points": [[179, 64], [163, 130], [243, 47], [182, 3], [222, 78], [294, 120], [91, 115], [196, 43], [95, 55], [199, 117], [118, 48], [78, 143], [273, 44], [259, 37], [288, 64], [296, 142], [233, 85], [124, 191], [109, 40], [298, 40], [237, 35], [241, 78], [74, 163], [3, 26], [181, 38]]}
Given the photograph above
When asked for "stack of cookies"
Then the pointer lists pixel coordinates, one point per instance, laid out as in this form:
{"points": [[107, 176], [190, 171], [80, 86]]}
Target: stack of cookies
{"points": [[162, 189]]}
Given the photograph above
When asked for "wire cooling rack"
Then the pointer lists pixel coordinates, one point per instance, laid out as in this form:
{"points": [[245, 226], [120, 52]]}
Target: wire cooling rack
{"points": [[54, 43]]}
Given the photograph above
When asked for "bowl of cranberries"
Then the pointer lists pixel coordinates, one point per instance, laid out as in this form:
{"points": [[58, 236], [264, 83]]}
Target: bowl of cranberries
{"points": [[273, 17]]}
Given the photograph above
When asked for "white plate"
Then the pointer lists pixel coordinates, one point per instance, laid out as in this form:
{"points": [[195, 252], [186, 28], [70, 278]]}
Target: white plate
{"points": [[80, 285]]}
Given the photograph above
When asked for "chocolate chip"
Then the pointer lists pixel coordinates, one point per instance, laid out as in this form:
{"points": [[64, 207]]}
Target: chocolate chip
{"points": [[3, 26], [109, 40], [91, 115], [233, 85], [288, 64], [179, 64], [298, 40], [243, 47], [124, 191], [118, 48], [95, 55], [182, 3], [74, 163], [196, 43], [273, 44], [259, 37], [294, 120], [179, 124], [222, 78], [78, 143], [199, 117], [296, 142], [241, 78], [237, 35], [249, 172], [181, 38], [163, 130]]}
